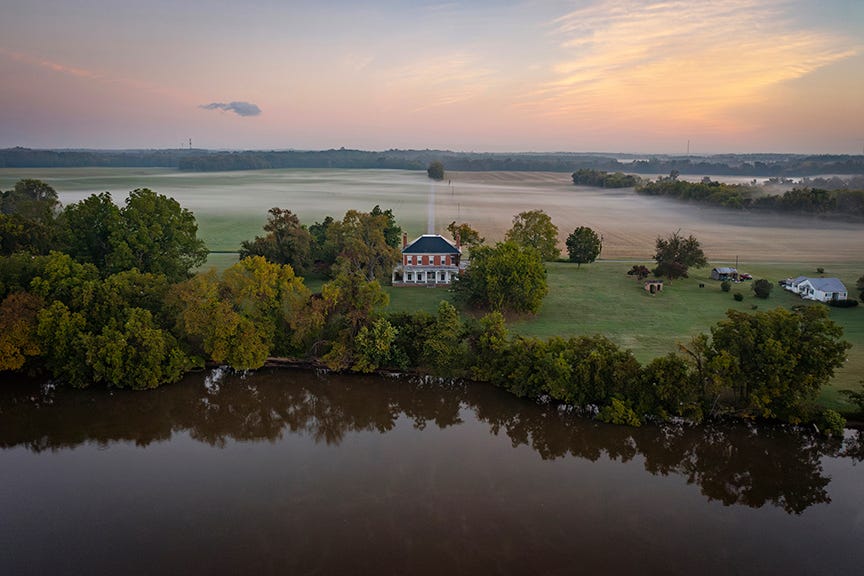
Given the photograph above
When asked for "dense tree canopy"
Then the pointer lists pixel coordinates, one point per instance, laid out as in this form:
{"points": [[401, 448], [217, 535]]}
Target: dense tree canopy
{"points": [[603, 179], [93, 228], [534, 229], [287, 241], [676, 255], [776, 361], [504, 277], [361, 244], [583, 245], [158, 236], [27, 218]]}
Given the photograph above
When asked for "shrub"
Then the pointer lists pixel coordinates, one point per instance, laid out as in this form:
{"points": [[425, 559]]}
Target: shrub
{"points": [[762, 288], [820, 270], [725, 286], [620, 413], [738, 296], [847, 303], [831, 423]]}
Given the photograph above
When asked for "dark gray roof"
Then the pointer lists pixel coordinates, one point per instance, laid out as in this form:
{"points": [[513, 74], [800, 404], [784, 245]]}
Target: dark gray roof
{"points": [[827, 284], [431, 244], [725, 270]]}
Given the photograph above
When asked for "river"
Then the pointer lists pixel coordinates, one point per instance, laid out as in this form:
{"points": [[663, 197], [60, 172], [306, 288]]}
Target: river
{"points": [[291, 472]]}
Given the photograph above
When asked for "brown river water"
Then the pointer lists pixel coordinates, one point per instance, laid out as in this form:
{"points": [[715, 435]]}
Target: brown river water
{"points": [[291, 472]]}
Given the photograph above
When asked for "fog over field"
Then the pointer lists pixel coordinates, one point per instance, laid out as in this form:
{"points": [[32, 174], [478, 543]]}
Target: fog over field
{"points": [[232, 206]]}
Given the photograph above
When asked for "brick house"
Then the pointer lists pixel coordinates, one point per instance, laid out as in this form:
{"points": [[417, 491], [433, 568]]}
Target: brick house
{"points": [[430, 260]]}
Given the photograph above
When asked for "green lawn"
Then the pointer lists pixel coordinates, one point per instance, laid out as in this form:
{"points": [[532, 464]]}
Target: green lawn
{"points": [[600, 298]]}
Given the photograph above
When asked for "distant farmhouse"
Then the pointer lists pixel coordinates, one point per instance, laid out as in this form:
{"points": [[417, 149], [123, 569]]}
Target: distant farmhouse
{"points": [[430, 260], [724, 273], [820, 289]]}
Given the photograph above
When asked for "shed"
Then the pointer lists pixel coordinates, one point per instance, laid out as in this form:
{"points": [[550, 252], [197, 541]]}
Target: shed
{"points": [[724, 273]]}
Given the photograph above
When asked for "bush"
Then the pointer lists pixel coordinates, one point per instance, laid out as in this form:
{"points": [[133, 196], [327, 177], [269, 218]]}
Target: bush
{"points": [[847, 303], [738, 296], [762, 288], [620, 413], [831, 423], [820, 270], [725, 286]]}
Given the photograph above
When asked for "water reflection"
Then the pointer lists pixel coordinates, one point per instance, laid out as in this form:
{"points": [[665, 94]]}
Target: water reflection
{"points": [[735, 465]]}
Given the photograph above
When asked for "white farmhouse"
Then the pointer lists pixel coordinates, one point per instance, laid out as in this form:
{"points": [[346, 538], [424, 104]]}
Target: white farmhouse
{"points": [[819, 289]]}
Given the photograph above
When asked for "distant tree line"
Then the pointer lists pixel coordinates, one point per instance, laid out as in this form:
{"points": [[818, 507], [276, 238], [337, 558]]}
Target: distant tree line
{"points": [[603, 179], [740, 196], [762, 165]]}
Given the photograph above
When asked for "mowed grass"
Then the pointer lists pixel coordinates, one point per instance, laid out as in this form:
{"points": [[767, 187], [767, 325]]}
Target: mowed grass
{"points": [[600, 298]]}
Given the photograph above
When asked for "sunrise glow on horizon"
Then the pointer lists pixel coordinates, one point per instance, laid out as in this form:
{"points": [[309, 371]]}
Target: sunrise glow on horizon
{"points": [[604, 75]]}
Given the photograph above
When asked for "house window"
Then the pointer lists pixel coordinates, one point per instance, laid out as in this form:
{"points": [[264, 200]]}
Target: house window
{"points": [[409, 276]]}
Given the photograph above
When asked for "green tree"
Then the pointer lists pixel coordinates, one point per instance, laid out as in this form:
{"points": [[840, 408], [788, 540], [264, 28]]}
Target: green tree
{"points": [[534, 229], [158, 236], [91, 229], [255, 308], [361, 244], [136, 354], [583, 245], [435, 171], [762, 288], [31, 199], [18, 339], [675, 255], [349, 302], [468, 236], [504, 277], [63, 340], [392, 230], [669, 388], [776, 361], [443, 346], [27, 218], [374, 345], [287, 241]]}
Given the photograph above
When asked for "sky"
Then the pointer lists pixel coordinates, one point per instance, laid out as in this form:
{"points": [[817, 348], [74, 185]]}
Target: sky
{"points": [[731, 76]]}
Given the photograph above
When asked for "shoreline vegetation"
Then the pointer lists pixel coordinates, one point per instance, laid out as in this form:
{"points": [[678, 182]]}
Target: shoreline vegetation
{"points": [[834, 197], [98, 294]]}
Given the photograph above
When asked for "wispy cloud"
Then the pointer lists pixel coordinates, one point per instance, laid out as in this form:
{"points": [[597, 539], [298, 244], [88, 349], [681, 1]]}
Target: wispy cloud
{"points": [[685, 60], [58, 67], [442, 80], [239, 108]]}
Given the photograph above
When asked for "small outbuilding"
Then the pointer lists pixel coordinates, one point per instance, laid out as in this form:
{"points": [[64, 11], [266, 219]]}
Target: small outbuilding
{"points": [[654, 286], [724, 273]]}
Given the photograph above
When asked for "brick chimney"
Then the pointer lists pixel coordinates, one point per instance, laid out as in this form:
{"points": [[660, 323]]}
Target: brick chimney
{"points": [[458, 240], [404, 239]]}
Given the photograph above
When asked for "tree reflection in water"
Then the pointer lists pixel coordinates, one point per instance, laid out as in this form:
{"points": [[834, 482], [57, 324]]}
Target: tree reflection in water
{"points": [[731, 463]]}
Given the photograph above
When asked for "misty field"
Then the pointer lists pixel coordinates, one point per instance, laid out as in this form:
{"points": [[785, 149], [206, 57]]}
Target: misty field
{"points": [[232, 207]]}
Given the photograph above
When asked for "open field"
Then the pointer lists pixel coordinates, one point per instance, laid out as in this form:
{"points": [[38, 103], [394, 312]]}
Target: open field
{"points": [[232, 206]]}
